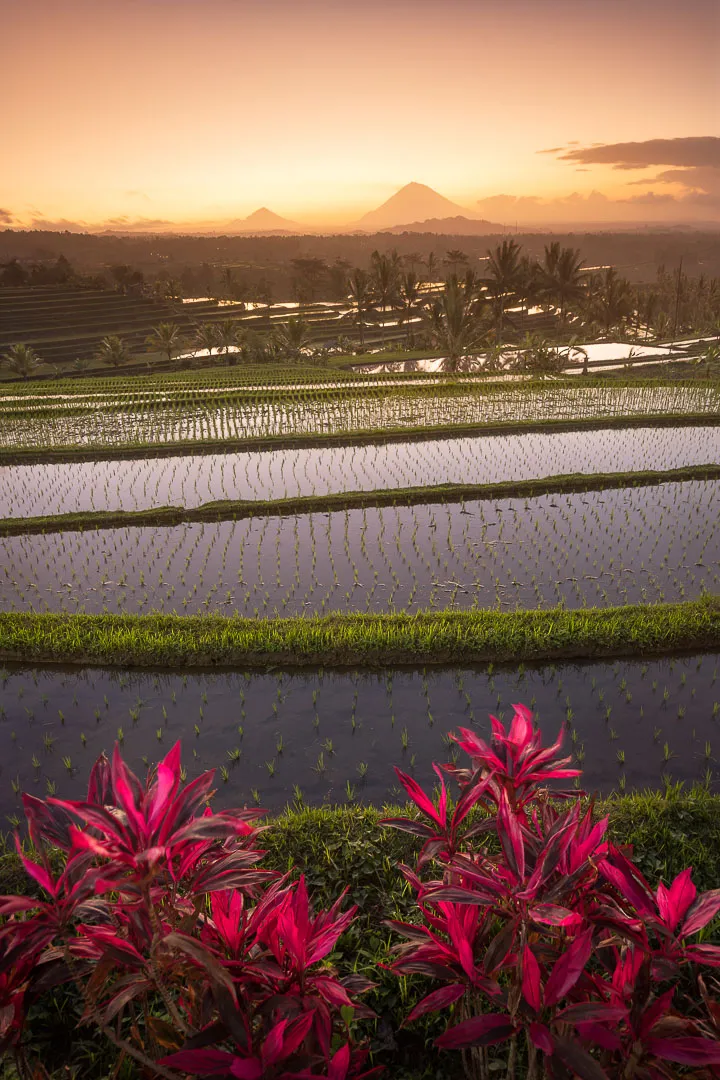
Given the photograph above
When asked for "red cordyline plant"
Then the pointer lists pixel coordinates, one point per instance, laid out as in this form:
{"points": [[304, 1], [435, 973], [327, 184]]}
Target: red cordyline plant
{"points": [[550, 940], [190, 959]]}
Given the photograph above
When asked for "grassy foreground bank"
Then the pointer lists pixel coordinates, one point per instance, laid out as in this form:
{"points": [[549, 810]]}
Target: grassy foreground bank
{"points": [[346, 846], [34, 455], [237, 509], [428, 638]]}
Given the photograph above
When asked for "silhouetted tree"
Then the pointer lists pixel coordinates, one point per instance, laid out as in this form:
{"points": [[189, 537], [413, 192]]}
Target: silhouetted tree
{"points": [[361, 297], [505, 276], [22, 360], [112, 350], [167, 339], [455, 323]]}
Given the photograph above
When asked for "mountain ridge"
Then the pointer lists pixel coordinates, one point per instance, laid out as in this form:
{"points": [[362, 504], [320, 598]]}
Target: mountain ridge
{"points": [[412, 203]]}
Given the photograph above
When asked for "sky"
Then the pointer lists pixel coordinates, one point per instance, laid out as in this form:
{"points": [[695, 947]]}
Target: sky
{"points": [[158, 113]]}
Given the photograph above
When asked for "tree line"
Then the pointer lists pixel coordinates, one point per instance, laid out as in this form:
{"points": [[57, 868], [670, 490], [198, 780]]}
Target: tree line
{"points": [[444, 303]]}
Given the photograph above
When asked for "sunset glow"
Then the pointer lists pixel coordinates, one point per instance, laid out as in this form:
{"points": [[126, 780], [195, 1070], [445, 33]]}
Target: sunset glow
{"points": [[190, 112]]}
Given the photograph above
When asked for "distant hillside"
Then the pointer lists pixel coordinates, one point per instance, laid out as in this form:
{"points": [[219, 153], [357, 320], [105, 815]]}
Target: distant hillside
{"points": [[265, 221], [450, 226], [412, 203]]}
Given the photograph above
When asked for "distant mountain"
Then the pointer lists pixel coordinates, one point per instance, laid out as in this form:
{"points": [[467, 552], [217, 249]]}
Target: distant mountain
{"points": [[412, 203], [266, 221], [450, 226]]}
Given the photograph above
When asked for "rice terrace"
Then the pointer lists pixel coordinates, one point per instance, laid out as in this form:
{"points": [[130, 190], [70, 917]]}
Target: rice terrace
{"points": [[360, 564]]}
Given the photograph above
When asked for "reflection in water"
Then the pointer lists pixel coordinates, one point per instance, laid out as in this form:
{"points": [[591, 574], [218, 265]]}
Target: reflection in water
{"points": [[323, 732]]}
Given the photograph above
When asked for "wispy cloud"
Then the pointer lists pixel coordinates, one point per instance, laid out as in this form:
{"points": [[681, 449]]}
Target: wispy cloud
{"points": [[691, 152]]}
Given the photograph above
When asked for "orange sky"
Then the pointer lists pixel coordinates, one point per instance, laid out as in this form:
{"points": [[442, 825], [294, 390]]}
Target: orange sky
{"points": [[203, 110]]}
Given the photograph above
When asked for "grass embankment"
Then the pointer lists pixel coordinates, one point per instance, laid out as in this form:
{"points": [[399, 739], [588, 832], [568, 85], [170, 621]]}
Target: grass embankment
{"points": [[346, 846], [239, 509], [427, 638], [31, 455]]}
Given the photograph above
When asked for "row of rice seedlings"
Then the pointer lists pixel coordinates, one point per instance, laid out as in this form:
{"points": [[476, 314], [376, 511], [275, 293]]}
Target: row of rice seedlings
{"points": [[311, 413], [225, 380], [27, 490], [631, 545], [334, 737]]}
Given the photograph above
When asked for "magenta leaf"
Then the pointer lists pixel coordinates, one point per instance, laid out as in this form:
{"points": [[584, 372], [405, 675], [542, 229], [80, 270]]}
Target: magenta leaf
{"points": [[674, 902], [477, 1031], [569, 967], [438, 999], [579, 1060], [418, 796], [686, 1051], [200, 1062], [541, 1037], [705, 908], [531, 982], [511, 838]]}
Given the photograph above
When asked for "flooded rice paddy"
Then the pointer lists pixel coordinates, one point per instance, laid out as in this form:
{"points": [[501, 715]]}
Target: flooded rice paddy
{"points": [[598, 548], [190, 480], [294, 413], [631, 725]]}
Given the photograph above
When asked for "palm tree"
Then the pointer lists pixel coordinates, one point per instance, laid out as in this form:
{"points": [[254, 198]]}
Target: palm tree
{"points": [[455, 258], [22, 359], [455, 324], [310, 272], [610, 301], [385, 275], [166, 338], [206, 337], [361, 296], [227, 337], [538, 357], [292, 337], [411, 259], [411, 299], [113, 350], [562, 279], [505, 276], [431, 267]]}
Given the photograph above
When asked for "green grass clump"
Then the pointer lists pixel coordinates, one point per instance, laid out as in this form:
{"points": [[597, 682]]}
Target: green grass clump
{"points": [[445, 637]]}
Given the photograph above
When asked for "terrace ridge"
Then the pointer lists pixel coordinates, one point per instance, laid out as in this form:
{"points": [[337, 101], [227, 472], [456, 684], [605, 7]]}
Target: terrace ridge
{"points": [[240, 509], [358, 640]]}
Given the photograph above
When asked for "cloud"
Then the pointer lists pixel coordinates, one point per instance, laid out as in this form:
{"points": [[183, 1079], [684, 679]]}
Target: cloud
{"points": [[6, 217], [36, 220], [142, 195], [692, 152], [649, 198], [596, 208], [700, 178], [126, 224], [59, 225]]}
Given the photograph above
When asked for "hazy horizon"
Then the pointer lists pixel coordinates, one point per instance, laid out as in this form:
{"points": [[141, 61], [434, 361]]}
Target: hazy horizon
{"points": [[172, 115]]}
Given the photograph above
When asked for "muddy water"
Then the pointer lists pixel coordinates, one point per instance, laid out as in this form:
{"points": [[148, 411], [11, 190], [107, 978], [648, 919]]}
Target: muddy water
{"points": [[325, 731]]}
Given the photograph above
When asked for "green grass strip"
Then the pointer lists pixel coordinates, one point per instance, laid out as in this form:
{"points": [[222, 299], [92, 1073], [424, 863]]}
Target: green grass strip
{"points": [[442, 637], [238, 509], [32, 455]]}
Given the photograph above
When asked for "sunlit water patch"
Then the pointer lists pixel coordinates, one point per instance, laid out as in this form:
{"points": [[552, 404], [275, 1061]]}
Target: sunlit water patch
{"points": [[189, 480]]}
